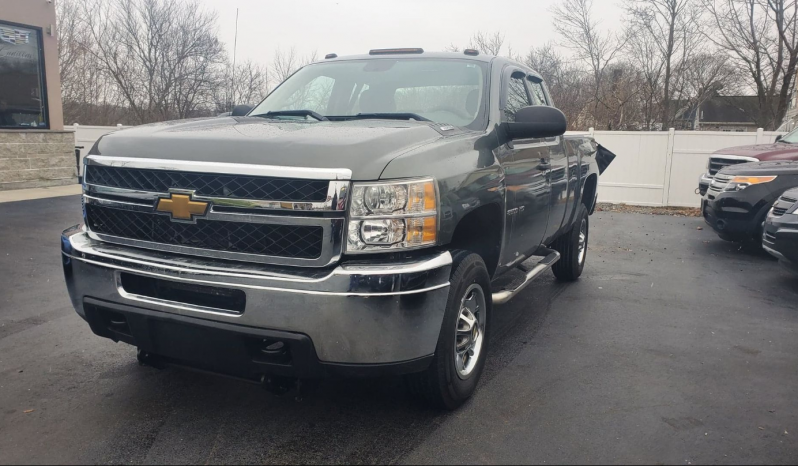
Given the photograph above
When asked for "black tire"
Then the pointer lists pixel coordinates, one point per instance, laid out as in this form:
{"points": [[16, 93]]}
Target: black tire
{"points": [[441, 385], [571, 264]]}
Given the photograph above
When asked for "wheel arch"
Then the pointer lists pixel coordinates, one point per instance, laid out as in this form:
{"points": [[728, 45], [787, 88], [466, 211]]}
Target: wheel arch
{"points": [[589, 192], [474, 233]]}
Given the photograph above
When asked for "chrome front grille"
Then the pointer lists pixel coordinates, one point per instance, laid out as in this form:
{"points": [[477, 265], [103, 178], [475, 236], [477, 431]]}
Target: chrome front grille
{"points": [[209, 184], [274, 215], [717, 163], [719, 183], [783, 205], [779, 211], [303, 242]]}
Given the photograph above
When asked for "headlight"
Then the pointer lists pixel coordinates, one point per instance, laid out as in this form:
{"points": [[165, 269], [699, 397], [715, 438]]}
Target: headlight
{"points": [[392, 215], [738, 183]]}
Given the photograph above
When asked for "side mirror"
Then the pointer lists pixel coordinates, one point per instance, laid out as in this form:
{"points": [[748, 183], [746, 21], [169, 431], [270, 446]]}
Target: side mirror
{"points": [[778, 138], [241, 110], [536, 122]]}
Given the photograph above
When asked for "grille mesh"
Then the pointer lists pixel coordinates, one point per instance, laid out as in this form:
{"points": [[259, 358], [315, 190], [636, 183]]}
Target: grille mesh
{"points": [[716, 164], [209, 184], [783, 204], [304, 242]]}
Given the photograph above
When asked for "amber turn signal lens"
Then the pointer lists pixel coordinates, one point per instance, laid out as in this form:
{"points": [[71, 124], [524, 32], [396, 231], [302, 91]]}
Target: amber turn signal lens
{"points": [[430, 233], [422, 231], [430, 202], [752, 179]]}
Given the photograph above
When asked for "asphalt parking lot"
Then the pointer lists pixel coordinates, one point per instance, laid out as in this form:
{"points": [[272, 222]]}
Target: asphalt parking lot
{"points": [[674, 347]]}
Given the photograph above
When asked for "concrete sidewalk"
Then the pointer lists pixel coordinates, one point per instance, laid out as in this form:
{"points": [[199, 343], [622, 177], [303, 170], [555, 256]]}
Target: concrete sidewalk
{"points": [[39, 193]]}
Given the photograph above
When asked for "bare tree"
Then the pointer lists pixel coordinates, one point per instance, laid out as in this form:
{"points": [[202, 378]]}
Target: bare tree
{"points": [[162, 55], [489, 44], [669, 25], [566, 83], [251, 86], [704, 76], [70, 48], [761, 36], [620, 96], [86, 92], [580, 32], [286, 62]]}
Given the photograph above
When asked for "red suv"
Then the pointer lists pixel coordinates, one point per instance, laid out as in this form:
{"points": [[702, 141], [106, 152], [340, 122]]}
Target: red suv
{"points": [[785, 148]]}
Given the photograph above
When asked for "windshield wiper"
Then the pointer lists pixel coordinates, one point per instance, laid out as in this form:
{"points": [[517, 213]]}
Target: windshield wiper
{"points": [[293, 113], [381, 116]]}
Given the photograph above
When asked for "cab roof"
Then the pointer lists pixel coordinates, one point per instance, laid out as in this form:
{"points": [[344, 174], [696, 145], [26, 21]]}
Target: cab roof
{"points": [[413, 55], [420, 54]]}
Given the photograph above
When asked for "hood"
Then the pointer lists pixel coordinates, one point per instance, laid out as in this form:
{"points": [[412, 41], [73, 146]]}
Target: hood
{"points": [[762, 169], [363, 146], [792, 193], [775, 151]]}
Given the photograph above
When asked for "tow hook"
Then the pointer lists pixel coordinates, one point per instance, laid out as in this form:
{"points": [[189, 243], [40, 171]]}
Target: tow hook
{"points": [[279, 385], [149, 359]]}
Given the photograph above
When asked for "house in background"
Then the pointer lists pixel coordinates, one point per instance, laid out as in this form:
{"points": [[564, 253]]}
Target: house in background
{"points": [[35, 151], [718, 113], [790, 121]]}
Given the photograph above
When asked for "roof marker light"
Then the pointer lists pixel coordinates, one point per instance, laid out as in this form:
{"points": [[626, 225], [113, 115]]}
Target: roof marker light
{"points": [[394, 51], [472, 52]]}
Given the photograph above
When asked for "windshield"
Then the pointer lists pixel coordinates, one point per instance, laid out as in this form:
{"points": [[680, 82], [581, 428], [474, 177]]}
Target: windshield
{"points": [[446, 91], [791, 137]]}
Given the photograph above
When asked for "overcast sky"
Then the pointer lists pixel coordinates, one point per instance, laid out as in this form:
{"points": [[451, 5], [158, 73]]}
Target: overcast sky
{"points": [[350, 27]]}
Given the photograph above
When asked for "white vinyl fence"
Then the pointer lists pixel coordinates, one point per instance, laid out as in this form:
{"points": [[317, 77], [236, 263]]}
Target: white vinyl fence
{"points": [[653, 168], [657, 168]]}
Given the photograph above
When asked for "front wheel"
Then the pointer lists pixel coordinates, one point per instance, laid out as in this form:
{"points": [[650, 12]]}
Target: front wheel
{"points": [[462, 344], [572, 247]]}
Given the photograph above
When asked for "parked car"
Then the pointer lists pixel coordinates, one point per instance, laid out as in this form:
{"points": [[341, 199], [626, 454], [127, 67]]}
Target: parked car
{"points": [[785, 148], [350, 225], [780, 238], [740, 196]]}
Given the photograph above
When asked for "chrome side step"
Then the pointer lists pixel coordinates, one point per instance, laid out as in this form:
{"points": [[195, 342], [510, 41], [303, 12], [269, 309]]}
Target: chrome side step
{"points": [[501, 297]]}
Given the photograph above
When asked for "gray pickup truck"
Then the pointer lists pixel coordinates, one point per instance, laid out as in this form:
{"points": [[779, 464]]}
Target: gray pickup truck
{"points": [[357, 222]]}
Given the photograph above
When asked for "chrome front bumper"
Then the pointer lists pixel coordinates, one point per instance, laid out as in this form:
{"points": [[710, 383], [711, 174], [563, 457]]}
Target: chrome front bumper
{"points": [[359, 312], [704, 181]]}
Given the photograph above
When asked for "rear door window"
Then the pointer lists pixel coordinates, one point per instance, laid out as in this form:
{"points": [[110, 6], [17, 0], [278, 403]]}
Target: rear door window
{"points": [[516, 96], [536, 91]]}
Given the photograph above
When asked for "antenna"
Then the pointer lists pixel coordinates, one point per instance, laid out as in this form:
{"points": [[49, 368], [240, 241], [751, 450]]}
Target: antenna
{"points": [[233, 74]]}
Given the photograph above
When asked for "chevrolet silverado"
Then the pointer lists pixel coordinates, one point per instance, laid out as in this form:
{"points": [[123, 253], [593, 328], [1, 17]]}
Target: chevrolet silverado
{"points": [[356, 222]]}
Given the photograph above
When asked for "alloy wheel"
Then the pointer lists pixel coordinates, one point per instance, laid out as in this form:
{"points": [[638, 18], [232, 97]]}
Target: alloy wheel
{"points": [[582, 241], [470, 331]]}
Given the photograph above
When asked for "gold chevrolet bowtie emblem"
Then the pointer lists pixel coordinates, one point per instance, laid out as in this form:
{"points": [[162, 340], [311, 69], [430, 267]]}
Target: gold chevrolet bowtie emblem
{"points": [[182, 207]]}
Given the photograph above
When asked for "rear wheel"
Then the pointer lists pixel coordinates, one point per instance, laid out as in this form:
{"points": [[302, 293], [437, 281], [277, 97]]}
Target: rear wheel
{"points": [[462, 344], [572, 247]]}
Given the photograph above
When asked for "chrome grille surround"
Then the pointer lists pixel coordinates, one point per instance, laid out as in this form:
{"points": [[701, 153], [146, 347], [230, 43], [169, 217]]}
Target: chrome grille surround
{"points": [[208, 184], [783, 205], [718, 162], [327, 214], [719, 183]]}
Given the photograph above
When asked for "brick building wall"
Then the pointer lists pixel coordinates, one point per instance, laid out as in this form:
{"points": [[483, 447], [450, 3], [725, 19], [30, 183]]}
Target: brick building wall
{"points": [[34, 159]]}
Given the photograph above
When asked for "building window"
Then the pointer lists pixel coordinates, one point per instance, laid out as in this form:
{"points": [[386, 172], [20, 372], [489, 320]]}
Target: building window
{"points": [[23, 95]]}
